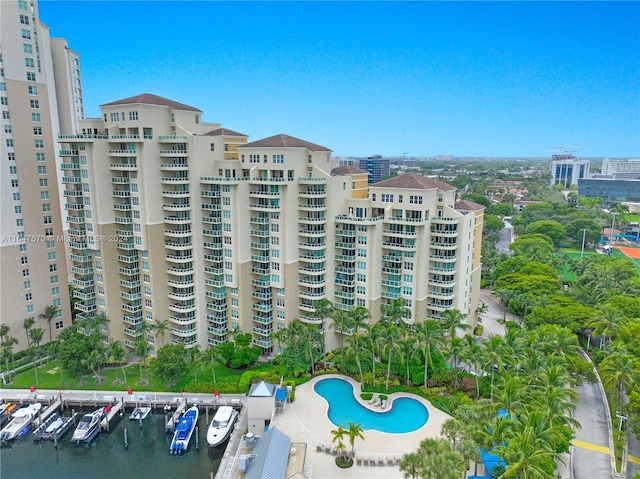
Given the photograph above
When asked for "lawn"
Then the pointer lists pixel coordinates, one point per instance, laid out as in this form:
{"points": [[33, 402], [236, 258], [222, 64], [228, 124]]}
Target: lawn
{"points": [[49, 377]]}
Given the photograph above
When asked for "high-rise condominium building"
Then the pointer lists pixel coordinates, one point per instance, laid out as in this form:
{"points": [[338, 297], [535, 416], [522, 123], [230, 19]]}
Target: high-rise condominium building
{"points": [[40, 94], [621, 169], [183, 221], [566, 170]]}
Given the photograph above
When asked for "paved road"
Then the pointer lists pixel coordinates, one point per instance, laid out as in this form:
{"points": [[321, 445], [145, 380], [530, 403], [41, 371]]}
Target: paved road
{"points": [[506, 238], [591, 451], [633, 464]]}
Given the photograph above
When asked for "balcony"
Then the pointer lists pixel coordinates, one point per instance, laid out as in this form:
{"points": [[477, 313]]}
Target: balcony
{"points": [[85, 308], [61, 138], [347, 233], [177, 258], [171, 138], [312, 194], [72, 193], [389, 244], [266, 332], [183, 332], [71, 179], [310, 319], [259, 233], [69, 152], [411, 221], [82, 284], [212, 220], [210, 194], [445, 220], [213, 233], [174, 180], [309, 281], [259, 221], [312, 246], [176, 193], [264, 307], [132, 308], [217, 331], [182, 319], [176, 206], [124, 166], [311, 271], [312, 232], [343, 269], [182, 308], [211, 207], [262, 296], [177, 233], [174, 153], [181, 296], [181, 284], [309, 180], [131, 296], [178, 246], [84, 296], [263, 343], [129, 271], [130, 284], [441, 257], [127, 153], [354, 220], [216, 294], [265, 179], [262, 319], [128, 258], [123, 137], [264, 206], [81, 271], [312, 258], [123, 220], [180, 271], [121, 207], [261, 246], [345, 294], [135, 333], [177, 220], [448, 246], [120, 179], [261, 193], [390, 294], [344, 245], [312, 295], [217, 306], [311, 206], [312, 219], [70, 166], [400, 233], [174, 166], [120, 194]]}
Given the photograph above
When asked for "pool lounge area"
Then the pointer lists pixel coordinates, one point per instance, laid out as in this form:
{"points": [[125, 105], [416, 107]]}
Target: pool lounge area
{"points": [[306, 420]]}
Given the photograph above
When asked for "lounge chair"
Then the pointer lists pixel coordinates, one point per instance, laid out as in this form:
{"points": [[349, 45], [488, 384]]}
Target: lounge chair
{"points": [[397, 459], [372, 461], [359, 461], [327, 449], [320, 448], [380, 461], [377, 403], [365, 461], [383, 404], [373, 399], [390, 461]]}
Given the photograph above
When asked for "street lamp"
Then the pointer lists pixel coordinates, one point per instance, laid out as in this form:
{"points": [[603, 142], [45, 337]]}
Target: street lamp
{"points": [[584, 234]]}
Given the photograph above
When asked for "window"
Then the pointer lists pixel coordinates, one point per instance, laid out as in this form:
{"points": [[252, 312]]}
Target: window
{"points": [[4, 101], [415, 200], [39, 143], [30, 308], [50, 244], [24, 19], [148, 303], [145, 265], [40, 157], [3, 86], [55, 291], [37, 131], [53, 268], [22, 5], [226, 147], [16, 197], [280, 303], [24, 260], [48, 231], [35, 118], [361, 290], [147, 290], [213, 147], [146, 278], [407, 278], [362, 252], [23, 248], [9, 142], [25, 273], [47, 220], [133, 116], [275, 278], [59, 325], [278, 159], [44, 195], [362, 265], [44, 182], [42, 170], [31, 76], [7, 128], [29, 63], [51, 256], [407, 290], [11, 156], [26, 34], [114, 116], [35, 104], [19, 222], [27, 48], [13, 170], [46, 207], [14, 183], [226, 215], [27, 285], [386, 198], [33, 90], [5, 115]]}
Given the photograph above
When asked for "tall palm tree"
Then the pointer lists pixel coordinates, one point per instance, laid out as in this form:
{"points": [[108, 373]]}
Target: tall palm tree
{"points": [[36, 335], [342, 324], [7, 343], [49, 313], [338, 436], [27, 324], [161, 328], [390, 341], [510, 396], [117, 353], [214, 357], [453, 351], [619, 371], [355, 346], [606, 322], [323, 309], [310, 335], [430, 337], [452, 320], [480, 310], [354, 432], [141, 348], [373, 340], [406, 346], [195, 359], [94, 361], [396, 312], [412, 465], [494, 352], [471, 354]]}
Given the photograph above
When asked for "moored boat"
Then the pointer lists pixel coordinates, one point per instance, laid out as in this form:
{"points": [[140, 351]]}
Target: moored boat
{"points": [[184, 430], [53, 428], [140, 413], [221, 425], [21, 422], [88, 427]]}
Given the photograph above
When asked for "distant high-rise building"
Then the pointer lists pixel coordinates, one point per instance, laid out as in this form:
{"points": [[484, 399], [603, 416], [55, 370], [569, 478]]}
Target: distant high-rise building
{"points": [[566, 170], [41, 94], [377, 166], [621, 169], [187, 222]]}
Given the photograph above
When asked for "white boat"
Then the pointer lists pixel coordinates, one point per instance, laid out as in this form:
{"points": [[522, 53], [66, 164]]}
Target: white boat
{"points": [[222, 425], [140, 413], [88, 427], [184, 430], [53, 428], [21, 422]]}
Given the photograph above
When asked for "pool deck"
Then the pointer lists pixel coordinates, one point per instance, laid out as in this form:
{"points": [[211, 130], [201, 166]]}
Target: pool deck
{"points": [[306, 421]]}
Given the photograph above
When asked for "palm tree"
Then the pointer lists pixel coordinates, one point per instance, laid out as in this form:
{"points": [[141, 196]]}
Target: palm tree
{"points": [[454, 350], [472, 355], [480, 310], [505, 296], [141, 348], [94, 362], [355, 431], [161, 328], [389, 341], [453, 319], [311, 336], [194, 357], [27, 324], [510, 396], [355, 345], [494, 352], [453, 430], [337, 436], [49, 313], [406, 346], [342, 324], [412, 465], [606, 322], [373, 340], [35, 335], [430, 336], [396, 312], [117, 353], [7, 343], [619, 371], [214, 357]]}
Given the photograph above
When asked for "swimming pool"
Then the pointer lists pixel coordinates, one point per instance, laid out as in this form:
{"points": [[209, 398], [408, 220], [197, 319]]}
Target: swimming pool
{"points": [[404, 414]]}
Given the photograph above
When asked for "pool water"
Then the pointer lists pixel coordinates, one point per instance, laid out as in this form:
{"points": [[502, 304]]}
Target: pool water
{"points": [[401, 416]]}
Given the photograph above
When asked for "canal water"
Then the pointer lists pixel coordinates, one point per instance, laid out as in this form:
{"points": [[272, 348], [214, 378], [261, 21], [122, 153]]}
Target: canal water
{"points": [[106, 457]]}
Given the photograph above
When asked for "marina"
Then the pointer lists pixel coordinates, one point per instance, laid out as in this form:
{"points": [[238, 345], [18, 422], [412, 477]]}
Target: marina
{"points": [[136, 448]]}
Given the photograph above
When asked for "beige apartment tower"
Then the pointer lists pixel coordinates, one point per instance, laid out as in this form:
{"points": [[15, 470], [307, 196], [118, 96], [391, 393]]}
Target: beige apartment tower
{"points": [[186, 223], [40, 94]]}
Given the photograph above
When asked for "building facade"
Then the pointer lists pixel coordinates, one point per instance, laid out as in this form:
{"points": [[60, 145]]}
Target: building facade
{"points": [[186, 222], [610, 190], [377, 166], [40, 93], [621, 169], [566, 170]]}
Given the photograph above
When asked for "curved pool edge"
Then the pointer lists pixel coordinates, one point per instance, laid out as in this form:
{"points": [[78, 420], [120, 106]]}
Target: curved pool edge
{"points": [[356, 389]]}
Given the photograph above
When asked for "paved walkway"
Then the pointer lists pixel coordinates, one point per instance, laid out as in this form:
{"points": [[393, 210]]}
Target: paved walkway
{"points": [[305, 420]]}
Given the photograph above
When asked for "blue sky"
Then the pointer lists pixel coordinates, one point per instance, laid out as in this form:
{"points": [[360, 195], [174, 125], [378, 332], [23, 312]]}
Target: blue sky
{"points": [[423, 78]]}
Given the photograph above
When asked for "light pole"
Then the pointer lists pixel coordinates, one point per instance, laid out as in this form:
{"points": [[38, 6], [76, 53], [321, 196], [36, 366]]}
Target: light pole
{"points": [[613, 225], [584, 234]]}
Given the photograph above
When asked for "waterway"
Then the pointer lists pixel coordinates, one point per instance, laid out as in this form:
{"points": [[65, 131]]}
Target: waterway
{"points": [[106, 457]]}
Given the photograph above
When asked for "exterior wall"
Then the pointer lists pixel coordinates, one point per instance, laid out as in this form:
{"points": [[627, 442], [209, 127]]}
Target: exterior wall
{"points": [[619, 169], [610, 190], [567, 170], [33, 270]]}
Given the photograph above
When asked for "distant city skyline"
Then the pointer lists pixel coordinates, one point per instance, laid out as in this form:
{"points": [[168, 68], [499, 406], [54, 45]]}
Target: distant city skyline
{"points": [[361, 78]]}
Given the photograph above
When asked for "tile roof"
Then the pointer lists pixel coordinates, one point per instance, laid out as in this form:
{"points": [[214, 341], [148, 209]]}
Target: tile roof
{"points": [[284, 141], [347, 170], [225, 132], [413, 180], [468, 206], [149, 99]]}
